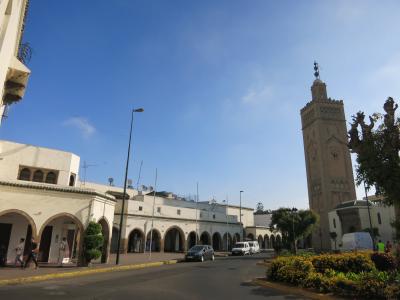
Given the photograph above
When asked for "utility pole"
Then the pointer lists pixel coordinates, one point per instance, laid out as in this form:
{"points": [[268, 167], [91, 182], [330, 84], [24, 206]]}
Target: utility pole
{"points": [[240, 216], [152, 216]]}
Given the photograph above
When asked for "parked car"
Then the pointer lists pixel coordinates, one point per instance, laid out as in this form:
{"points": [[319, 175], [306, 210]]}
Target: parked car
{"points": [[200, 253], [241, 248], [254, 247]]}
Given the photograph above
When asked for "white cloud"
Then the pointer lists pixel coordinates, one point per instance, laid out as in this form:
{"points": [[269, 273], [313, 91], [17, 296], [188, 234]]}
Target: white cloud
{"points": [[258, 95], [82, 124]]}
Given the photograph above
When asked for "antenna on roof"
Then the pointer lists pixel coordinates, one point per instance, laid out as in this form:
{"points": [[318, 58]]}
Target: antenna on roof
{"points": [[130, 186], [84, 167]]}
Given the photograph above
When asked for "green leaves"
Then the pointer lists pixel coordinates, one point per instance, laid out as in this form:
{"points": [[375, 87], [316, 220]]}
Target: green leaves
{"points": [[92, 241], [297, 222]]}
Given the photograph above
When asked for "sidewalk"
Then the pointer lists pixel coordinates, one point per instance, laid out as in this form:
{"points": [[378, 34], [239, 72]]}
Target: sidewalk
{"points": [[125, 260]]}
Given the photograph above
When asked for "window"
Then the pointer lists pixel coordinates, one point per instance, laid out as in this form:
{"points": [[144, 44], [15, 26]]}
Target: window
{"points": [[140, 208], [51, 177], [72, 180], [379, 219], [201, 215], [25, 174], [178, 212], [213, 216], [159, 209], [38, 176], [334, 223]]}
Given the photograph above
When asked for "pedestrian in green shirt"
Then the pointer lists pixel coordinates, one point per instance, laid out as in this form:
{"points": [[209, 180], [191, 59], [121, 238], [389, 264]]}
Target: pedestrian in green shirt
{"points": [[381, 246]]}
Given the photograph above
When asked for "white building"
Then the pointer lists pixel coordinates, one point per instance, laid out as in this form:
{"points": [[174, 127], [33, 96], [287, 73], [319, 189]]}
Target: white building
{"points": [[267, 236], [353, 216], [13, 73], [40, 197]]}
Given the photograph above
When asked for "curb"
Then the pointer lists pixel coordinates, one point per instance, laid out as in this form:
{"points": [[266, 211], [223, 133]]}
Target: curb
{"points": [[37, 278], [292, 290]]}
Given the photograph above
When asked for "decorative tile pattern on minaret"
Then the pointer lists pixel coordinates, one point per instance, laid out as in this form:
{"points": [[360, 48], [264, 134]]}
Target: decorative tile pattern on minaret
{"points": [[328, 163]]}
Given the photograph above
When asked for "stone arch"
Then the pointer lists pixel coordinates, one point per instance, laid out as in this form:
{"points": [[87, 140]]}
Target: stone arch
{"points": [[205, 238], [174, 240], [250, 237], [155, 237], [278, 240], [260, 241], [192, 239], [236, 238], [16, 224], [73, 232], [136, 241], [272, 241], [24, 214], [217, 241], [227, 242], [105, 230], [266, 242]]}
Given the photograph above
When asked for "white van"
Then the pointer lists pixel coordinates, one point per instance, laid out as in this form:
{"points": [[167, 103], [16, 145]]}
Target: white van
{"points": [[356, 241], [254, 247], [241, 248]]}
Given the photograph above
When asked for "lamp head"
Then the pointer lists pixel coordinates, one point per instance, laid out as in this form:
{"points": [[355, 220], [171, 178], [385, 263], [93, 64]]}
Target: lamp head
{"points": [[138, 110]]}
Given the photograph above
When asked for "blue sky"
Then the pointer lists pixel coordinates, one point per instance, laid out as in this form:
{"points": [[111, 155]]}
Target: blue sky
{"points": [[221, 82]]}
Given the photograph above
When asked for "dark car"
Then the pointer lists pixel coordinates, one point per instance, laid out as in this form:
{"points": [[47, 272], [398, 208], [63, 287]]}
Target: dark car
{"points": [[200, 253]]}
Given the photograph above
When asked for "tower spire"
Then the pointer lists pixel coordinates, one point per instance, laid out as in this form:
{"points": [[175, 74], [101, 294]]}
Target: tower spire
{"points": [[318, 89], [316, 70]]}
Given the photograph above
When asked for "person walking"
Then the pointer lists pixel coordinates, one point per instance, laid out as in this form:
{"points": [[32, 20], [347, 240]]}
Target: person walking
{"points": [[388, 247], [33, 250], [19, 251], [63, 251], [381, 246]]}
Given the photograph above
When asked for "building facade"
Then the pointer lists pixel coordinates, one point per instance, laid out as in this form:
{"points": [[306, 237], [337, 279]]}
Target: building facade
{"points": [[13, 73], [40, 197], [329, 170], [353, 216]]}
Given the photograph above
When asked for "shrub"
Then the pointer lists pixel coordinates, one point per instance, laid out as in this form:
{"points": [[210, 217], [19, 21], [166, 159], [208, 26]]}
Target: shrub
{"points": [[383, 261], [292, 270], [317, 281], [330, 273], [346, 262], [92, 241]]}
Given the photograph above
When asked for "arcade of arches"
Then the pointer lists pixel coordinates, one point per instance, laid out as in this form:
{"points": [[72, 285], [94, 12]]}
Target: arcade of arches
{"points": [[15, 225]]}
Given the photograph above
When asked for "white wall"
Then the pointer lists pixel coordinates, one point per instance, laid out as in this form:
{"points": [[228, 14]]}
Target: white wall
{"points": [[15, 155], [10, 30]]}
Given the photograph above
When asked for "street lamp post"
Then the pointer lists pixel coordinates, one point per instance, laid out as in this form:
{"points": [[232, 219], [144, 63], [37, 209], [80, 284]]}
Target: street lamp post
{"points": [[240, 215], [125, 181], [294, 240], [369, 216]]}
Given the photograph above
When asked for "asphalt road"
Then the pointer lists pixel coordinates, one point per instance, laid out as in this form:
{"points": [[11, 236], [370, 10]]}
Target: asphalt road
{"points": [[224, 278]]}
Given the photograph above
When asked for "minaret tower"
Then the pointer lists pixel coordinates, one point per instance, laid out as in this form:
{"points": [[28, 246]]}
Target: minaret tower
{"points": [[330, 178]]}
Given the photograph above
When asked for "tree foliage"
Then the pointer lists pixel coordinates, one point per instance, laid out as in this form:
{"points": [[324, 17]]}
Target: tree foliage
{"points": [[378, 162], [294, 224], [93, 241]]}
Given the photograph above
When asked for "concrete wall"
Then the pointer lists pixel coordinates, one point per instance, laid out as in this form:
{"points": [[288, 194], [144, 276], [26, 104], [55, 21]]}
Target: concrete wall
{"points": [[15, 155], [41, 206], [11, 21], [386, 231]]}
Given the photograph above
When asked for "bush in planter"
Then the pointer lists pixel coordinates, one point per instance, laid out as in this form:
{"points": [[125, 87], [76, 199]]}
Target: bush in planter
{"points": [[292, 270], [345, 262], [92, 242], [383, 261]]}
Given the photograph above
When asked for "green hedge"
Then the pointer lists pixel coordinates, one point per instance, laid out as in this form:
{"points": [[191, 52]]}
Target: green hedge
{"points": [[348, 274]]}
